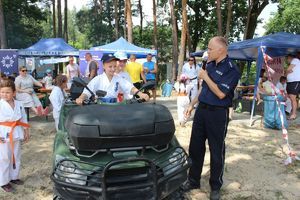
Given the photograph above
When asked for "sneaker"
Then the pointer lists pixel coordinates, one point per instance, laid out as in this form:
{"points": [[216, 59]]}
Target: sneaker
{"points": [[17, 182], [46, 111], [7, 188], [188, 185], [215, 195]]}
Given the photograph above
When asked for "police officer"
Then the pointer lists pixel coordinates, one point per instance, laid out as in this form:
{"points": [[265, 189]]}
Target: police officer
{"points": [[211, 117]]}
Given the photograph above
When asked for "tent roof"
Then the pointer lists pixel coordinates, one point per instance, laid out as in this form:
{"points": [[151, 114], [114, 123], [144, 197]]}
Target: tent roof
{"points": [[122, 45], [198, 53], [277, 44], [49, 47]]}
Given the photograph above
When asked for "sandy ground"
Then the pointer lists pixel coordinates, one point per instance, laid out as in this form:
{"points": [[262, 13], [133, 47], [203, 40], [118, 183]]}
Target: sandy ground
{"points": [[254, 161]]}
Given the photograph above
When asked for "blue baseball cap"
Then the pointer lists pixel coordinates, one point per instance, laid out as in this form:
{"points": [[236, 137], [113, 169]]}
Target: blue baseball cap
{"points": [[48, 71], [108, 57]]}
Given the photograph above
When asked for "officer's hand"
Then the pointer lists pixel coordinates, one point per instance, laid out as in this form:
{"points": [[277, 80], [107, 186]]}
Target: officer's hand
{"points": [[188, 111], [202, 74], [79, 101], [144, 96]]}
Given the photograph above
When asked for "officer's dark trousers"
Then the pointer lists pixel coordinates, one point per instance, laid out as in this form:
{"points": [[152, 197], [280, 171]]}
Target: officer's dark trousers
{"points": [[209, 123]]}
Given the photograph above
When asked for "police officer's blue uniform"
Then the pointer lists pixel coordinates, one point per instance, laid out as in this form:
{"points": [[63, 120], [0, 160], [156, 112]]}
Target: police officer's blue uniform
{"points": [[210, 122]]}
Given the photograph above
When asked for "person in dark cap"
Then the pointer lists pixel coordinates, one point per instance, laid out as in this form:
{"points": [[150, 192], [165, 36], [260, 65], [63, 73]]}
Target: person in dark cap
{"points": [[109, 82]]}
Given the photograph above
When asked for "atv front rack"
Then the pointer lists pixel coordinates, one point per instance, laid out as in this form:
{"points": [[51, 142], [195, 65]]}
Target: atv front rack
{"points": [[121, 178]]}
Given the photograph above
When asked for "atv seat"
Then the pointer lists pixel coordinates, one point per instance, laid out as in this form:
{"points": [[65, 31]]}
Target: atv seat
{"points": [[96, 127]]}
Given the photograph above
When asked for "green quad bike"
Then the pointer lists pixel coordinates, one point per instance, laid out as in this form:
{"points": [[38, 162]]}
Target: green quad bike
{"points": [[109, 152]]}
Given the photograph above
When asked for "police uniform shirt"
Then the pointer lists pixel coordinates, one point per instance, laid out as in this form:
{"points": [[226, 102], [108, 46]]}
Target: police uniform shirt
{"points": [[226, 75], [113, 87]]}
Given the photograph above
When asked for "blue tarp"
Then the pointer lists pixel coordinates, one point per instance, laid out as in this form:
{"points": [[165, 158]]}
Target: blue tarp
{"points": [[122, 45], [277, 44], [49, 47], [198, 53]]}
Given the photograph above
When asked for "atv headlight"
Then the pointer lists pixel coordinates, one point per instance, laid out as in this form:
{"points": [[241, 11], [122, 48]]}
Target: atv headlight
{"points": [[67, 171], [176, 161]]}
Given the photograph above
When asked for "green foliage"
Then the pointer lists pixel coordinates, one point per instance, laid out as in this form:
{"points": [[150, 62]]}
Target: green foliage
{"points": [[286, 19], [164, 44], [98, 27], [23, 22]]}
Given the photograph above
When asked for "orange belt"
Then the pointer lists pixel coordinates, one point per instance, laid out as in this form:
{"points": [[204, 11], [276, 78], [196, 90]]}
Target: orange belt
{"points": [[182, 94], [13, 124]]}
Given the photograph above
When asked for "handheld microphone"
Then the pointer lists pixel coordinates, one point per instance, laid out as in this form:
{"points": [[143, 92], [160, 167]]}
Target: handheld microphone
{"points": [[204, 60]]}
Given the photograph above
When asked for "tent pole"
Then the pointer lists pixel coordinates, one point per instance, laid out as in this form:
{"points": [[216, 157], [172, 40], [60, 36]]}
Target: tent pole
{"points": [[259, 63], [248, 71]]}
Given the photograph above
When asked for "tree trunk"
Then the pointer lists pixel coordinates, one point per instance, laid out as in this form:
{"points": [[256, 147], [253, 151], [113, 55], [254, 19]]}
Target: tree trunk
{"points": [[3, 42], [125, 20], [183, 36], [116, 16], [174, 41], [54, 18], [154, 25], [129, 21], [188, 38], [66, 21], [155, 34], [59, 19], [255, 7], [141, 18], [219, 17], [229, 15]]}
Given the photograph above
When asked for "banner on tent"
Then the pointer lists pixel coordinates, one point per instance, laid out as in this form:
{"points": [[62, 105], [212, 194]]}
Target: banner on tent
{"points": [[97, 55], [8, 61], [277, 66]]}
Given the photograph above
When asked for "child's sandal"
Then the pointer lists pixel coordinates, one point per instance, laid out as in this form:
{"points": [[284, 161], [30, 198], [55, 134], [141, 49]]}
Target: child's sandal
{"points": [[7, 188], [17, 182]]}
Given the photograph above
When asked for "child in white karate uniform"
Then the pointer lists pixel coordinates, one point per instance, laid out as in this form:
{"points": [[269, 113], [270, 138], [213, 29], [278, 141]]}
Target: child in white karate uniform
{"points": [[183, 89], [109, 82], [57, 97], [13, 129]]}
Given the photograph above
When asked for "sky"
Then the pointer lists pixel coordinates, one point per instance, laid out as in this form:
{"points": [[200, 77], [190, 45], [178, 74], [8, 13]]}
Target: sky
{"points": [[265, 15]]}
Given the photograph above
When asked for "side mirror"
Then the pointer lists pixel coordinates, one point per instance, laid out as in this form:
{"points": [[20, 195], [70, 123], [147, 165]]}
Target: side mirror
{"points": [[79, 82]]}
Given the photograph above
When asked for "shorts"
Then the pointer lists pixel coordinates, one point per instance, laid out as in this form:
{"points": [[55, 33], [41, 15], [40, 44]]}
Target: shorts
{"points": [[138, 85], [293, 87], [152, 80]]}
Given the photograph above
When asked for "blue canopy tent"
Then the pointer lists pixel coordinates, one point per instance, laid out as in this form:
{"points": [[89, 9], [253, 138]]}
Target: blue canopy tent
{"points": [[49, 47], [198, 53], [274, 45], [122, 45]]}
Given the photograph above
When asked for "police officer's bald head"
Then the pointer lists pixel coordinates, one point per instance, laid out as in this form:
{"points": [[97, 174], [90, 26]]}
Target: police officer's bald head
{"points": [[217, 48], [220, 41]]}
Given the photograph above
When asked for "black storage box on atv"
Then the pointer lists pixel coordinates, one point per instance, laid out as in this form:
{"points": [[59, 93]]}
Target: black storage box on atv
{"points": [[95, 127]]}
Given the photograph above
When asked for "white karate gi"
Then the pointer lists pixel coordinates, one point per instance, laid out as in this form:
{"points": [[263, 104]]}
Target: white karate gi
{"points": [[113, 87], [182, 101], [57, 98], [192, 73], [7, 113]]}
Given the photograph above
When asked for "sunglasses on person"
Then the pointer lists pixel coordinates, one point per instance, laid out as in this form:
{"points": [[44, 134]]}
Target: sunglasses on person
{"points": [[24, 70], [191, 60]]}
